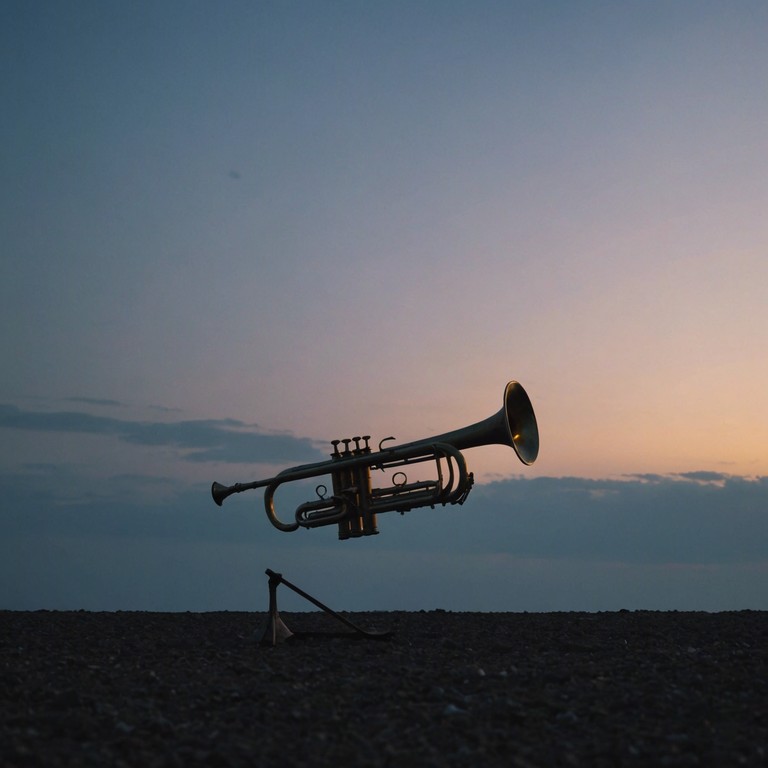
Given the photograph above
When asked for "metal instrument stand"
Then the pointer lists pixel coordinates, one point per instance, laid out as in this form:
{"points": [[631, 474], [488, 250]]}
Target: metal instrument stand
{"points": [[277, 632]]}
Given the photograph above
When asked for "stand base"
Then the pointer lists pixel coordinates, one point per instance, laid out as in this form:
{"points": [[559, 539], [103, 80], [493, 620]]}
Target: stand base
{"points": [[275, 632]]}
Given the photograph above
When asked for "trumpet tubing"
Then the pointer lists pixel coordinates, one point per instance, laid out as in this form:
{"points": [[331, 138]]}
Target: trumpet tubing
{"points": [[354, 503]]}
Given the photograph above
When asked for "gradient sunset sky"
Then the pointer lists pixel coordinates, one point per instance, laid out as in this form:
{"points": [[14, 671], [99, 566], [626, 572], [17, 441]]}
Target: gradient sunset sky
{"points": [[234, 231]]}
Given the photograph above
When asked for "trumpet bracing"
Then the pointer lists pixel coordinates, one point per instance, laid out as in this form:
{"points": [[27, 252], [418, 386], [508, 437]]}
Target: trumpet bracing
{"points": [[354, 503]]}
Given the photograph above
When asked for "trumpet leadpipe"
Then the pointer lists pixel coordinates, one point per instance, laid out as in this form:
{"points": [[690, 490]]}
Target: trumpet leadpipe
{"points": [[220, 492]]}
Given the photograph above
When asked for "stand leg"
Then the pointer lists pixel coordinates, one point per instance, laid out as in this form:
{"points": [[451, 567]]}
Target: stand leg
{"points": [[275, 632]]}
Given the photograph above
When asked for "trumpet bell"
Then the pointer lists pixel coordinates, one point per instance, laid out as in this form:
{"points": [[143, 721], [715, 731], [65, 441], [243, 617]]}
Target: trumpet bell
{"points": [[514, 425], [522, 429]]}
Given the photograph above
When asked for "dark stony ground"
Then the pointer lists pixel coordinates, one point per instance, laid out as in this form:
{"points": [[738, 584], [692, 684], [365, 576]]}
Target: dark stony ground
{"points": [[463, 689]]}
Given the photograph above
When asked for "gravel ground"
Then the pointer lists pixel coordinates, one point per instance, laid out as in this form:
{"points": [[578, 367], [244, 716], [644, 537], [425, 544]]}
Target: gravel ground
{"points": [[448, 689]]}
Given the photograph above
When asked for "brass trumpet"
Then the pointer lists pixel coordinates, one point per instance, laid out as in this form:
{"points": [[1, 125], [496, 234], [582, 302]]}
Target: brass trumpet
{"points": [[354, 503]]}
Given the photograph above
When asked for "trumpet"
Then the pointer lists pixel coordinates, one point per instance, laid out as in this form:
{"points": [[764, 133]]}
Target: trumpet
{"points": [[354, 503]]}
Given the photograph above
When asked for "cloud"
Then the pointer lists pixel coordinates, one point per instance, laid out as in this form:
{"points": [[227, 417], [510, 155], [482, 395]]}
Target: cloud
{"points": [[543, 544], [221, 440], [93, 401], [552, 543], [697, 517], [700, 476], [670, 519]]}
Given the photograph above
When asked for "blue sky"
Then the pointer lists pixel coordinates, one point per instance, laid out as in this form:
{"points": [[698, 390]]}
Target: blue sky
{"points": [[235, 231]]}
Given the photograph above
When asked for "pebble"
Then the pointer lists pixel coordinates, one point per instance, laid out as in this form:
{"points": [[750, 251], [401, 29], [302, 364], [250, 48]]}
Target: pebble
{"points": [[630, 688]]}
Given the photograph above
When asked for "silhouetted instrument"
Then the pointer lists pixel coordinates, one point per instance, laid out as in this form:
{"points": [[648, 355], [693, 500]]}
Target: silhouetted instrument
{"points": [[354, 503]]}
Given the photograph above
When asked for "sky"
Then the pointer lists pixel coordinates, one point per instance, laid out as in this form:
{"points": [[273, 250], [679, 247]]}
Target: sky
{"points": [[235, 231]]}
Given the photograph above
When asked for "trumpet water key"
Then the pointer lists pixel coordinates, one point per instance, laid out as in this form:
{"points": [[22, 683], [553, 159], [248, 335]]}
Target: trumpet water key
{"points": [[353, 503]]}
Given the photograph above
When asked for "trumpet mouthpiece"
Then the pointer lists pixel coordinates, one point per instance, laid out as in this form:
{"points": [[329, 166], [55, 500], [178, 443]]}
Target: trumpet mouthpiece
{"points": [[219, 493]]}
